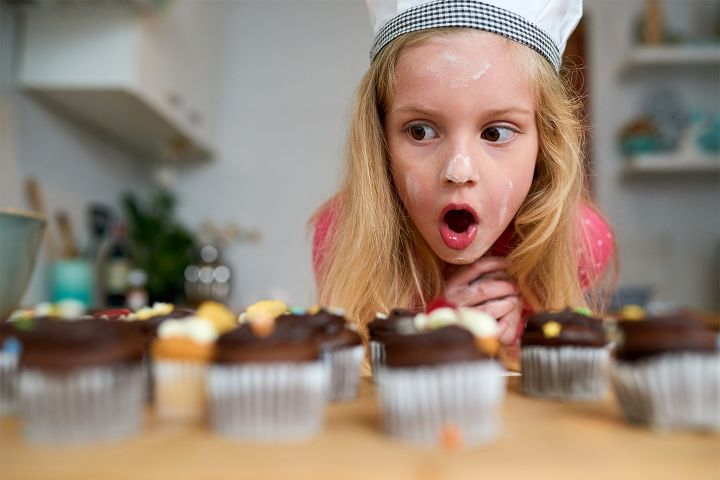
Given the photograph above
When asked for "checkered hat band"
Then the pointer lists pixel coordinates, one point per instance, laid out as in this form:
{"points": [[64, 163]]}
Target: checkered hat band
{"points": [[471, 14]]}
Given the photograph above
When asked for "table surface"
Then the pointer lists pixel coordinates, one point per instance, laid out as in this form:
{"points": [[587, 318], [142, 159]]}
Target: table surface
{"points": [[539, 439]]}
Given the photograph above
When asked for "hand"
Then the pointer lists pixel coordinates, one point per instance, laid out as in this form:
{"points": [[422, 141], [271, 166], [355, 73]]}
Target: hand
{"points": [[486, 285]]}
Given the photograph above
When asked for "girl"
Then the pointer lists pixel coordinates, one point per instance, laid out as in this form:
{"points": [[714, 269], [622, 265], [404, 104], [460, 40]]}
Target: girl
{"points": [[464, 174]]}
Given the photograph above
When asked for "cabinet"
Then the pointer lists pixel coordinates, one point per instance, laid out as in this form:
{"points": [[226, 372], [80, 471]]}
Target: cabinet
{"points": [[145, 77]]}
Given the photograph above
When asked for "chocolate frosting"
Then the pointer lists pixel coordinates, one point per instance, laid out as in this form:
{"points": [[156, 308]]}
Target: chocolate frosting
{"points": [[329, 330], [241, 345], [658, 335], [576, 330], [63, 345], [382, 329], [449, 344]]}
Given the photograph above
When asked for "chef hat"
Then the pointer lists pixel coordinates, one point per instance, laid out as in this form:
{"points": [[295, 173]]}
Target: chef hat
{"points": [[543, 25]]}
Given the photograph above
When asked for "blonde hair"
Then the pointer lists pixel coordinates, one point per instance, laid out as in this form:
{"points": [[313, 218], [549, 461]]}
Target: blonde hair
{"points": [[376, 259]]}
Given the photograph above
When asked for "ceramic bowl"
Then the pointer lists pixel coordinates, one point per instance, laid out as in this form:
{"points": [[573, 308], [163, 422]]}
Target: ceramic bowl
{"points": [[20, 236]]}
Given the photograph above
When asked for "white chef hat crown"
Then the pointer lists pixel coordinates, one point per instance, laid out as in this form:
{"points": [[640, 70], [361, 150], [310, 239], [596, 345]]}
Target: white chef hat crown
{"points": [[543, 25]]}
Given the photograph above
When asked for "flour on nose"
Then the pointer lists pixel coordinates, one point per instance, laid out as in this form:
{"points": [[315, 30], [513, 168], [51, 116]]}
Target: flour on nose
{"points": [[459, 169]]}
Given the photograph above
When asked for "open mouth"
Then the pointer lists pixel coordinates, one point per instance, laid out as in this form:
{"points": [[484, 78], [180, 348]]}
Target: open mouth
{"points": [[458, 226], [459, 220]]}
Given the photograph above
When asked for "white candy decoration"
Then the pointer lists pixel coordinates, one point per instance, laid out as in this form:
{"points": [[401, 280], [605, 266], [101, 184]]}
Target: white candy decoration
{"points": [[198, 329], [479, 323], [442, 317]]}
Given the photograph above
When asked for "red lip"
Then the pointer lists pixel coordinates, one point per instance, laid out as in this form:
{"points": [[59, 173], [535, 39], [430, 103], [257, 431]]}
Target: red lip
{"points": [[453, 239]]}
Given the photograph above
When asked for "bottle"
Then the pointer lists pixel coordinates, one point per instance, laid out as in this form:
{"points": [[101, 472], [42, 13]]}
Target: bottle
{"points": [[137, 295], [99, 218], [117, 269]]}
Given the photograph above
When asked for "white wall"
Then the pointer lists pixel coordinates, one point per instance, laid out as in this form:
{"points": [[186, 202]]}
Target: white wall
{"points": [[72, 165], [290, 71], [668, 227]]}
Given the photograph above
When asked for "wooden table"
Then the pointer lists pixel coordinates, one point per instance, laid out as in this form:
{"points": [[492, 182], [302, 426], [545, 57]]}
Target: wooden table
{"points": [[540, 439]]}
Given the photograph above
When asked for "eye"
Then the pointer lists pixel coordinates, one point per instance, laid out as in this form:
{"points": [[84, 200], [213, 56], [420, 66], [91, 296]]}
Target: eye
{"points": [[420, 132], [498, 134]]}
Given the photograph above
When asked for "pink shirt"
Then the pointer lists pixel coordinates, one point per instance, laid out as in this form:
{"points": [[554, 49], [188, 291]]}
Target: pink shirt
{"points": [[595, 231]]}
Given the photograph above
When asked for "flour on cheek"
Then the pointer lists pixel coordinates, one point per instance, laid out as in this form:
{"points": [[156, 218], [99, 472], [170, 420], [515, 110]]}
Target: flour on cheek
{"points": [[413, 192], [505, 200]]}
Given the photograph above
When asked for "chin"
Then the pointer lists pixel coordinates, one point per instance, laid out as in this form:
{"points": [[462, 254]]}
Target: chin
{"points": [[459, 257]]}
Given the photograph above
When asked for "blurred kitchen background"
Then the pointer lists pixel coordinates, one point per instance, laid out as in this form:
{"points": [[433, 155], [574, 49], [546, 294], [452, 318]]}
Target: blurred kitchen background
{"points": [[178, 147]]}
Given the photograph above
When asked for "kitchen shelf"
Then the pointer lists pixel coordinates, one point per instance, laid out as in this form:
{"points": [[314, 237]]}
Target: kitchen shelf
{"points": [[134, 75], [675, 55], [671, 164]]}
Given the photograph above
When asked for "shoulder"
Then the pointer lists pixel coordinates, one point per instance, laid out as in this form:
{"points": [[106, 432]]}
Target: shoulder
{"points": [[596, 243], [323, 223]]}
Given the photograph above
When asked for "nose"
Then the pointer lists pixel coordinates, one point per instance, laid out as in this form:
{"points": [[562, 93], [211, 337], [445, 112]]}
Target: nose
{"points": [[459, 170]]}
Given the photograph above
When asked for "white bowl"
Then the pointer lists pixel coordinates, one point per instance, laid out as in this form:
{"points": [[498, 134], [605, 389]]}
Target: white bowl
{"points": [[20, 237]]}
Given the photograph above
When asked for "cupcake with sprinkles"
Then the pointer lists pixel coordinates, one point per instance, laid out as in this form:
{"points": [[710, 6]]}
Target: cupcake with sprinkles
{"points": [[267, 382], [565, 356], [440, 384]]}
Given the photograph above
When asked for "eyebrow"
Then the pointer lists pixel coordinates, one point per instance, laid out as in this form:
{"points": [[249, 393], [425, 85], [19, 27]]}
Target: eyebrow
{"points": [[492, 112]]}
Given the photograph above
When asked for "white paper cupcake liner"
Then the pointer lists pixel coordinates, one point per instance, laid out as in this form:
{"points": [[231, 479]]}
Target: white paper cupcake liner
{"points": [[84, 405], [672, 391], [419, 405], [565, 373], [268, 402], [180, 389], [377, 357], [8, 383], [345, 364]]}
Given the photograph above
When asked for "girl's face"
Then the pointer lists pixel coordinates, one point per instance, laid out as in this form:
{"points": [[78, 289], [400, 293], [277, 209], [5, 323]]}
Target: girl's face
{"points": [[462, 139]]}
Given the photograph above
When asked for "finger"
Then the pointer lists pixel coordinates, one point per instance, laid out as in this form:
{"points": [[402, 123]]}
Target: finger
{"points": [[485, 290], [465, 274], [499, 275], [502, 326], [511, 332], [498, 308]]}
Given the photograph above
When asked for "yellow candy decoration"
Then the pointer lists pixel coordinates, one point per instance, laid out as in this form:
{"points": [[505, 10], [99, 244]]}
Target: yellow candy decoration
{"points": [[551, 329], [632, 312], [218, 314], [157, 309], [266, 308]]}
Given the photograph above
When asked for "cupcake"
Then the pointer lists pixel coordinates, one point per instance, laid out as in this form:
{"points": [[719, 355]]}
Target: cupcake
{"points": [[147, 319], [340, 345], [10, 348], [440, 385], [666, 372], [380, 330], [181, 353], [564, 356], [267, 384], [81, 381]]}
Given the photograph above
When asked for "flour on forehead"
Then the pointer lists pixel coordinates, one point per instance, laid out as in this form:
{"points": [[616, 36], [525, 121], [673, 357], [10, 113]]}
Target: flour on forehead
{"points": [[453, 70]]}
